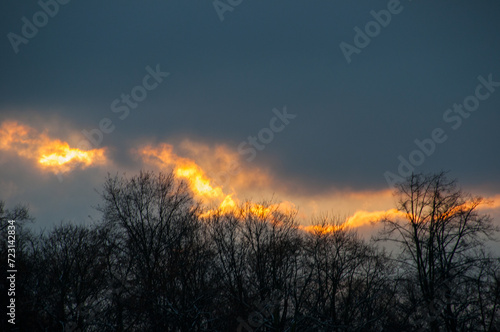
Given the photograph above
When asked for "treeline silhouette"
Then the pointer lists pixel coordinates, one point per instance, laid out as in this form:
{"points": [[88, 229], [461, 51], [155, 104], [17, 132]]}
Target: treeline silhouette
{"points": [[153, 264]]}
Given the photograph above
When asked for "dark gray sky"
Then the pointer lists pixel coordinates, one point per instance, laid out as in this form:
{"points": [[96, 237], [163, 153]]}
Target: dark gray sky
{"points": [[353, 119]]}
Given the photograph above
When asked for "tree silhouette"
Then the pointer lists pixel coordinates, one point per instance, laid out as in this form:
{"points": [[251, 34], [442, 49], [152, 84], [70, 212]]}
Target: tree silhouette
{"points": [[156, 261], [442, 240]]}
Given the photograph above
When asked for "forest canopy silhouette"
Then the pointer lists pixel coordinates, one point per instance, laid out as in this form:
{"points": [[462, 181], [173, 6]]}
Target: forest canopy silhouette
{"points": [[158, 260]]}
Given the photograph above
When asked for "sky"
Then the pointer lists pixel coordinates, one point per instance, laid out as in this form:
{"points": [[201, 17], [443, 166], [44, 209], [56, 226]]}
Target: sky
{"points": [[317, 105]]}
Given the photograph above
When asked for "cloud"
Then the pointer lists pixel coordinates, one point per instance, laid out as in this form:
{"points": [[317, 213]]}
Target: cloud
{"points": [[210, 190], [357, 220], [216, 175], [163, 156], [492, 203], [49, 154]]}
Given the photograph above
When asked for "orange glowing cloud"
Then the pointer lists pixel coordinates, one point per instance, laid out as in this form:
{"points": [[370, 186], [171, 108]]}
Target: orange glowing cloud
{"points": [[225, 167], [491, 203], [185, 168], [360, 218], [219, 177], [321, 229], [342, 202], [50, 154], [208, 189], [200, 164]]}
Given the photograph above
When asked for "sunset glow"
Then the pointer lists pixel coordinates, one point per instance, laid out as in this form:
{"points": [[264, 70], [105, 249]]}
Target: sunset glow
{"points": [[186, 169], [358, 219], [202, 186], [50, 154]]}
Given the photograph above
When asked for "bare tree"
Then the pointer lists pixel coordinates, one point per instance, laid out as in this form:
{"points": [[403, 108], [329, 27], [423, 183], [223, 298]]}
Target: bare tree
{"points": [[19, 213], [255, 251], [441, 237], [349, 289], [156, 262], [165, 266], [66, 278], [21, 236]]}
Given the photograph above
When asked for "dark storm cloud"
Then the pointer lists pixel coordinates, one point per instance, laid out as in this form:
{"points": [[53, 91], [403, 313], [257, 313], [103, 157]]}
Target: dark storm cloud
{"points": [[354, 119]]}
